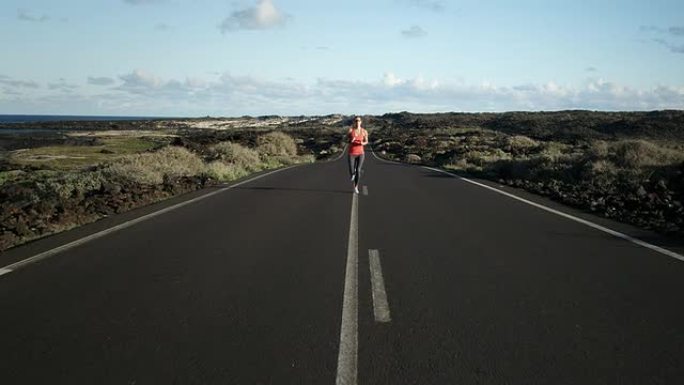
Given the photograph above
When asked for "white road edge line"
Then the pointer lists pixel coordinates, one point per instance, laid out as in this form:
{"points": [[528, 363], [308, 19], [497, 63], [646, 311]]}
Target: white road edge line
{"points": [[585, 222], [365, 190], [347, 359], [100, 234], [381, 309]]}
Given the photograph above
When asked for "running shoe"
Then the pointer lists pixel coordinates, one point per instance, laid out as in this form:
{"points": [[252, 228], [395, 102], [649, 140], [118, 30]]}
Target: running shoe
{"points": [[356, 189]]}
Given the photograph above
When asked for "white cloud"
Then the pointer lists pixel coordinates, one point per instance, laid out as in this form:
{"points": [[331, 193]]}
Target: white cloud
{"points": [[413, 32], [100, 81], [144, 93], [391, 80], [62, 85], [143, 2], [140, 82], [418, 83], [432, 5], [677, 31], [674, 30], [9, 82], [146, 84], [24, 15], [673, 47], [163, 27], [263, 15], [669, 36]]}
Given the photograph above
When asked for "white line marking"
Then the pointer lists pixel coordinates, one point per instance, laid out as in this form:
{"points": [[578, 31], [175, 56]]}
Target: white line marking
{"points": [[365, 190], [100, 234], [618, 234], [5, 271], [380, 306], [347, 359]]}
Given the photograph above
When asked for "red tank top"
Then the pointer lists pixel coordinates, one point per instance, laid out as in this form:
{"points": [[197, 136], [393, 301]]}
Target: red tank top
{"points": [[356, 148]]}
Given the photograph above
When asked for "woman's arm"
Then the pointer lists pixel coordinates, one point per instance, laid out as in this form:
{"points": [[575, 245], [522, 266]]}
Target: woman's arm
{"points": [[365, 138]]}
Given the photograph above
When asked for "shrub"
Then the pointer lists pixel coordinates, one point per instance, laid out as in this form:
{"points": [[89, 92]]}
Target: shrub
{"points": [[224, 172], [598, 149], [279, 161], [640, 153], [482, 158], [8, 176], [276, 143], [152, 168], [552, 151], [520, 144], [75, 184], [458, 164], [236, 154], [602, 167]]}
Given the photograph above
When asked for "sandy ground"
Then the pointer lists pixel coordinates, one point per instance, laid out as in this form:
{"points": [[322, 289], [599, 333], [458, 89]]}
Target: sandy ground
{"points": [[120, 133], [223, 124]]}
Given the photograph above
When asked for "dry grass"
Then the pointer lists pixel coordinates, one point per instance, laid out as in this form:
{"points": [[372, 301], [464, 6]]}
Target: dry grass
{"points": [[276, 144], [460, 130], [224, 172], [237, 155], [520, 144], [598, 149], [597, 158], [602, 167], [231, 161], [635, 154], [152, 168]]}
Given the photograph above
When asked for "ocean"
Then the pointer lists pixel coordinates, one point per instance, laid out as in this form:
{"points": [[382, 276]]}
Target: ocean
{"points": [[63, 118]]}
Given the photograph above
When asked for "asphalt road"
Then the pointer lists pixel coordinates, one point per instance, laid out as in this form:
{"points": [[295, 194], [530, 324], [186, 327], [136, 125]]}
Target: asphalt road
{"points": [[248, 287]]}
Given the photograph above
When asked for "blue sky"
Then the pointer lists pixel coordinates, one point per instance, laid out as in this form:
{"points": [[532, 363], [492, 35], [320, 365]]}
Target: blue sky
{"points": [[291, 57]]}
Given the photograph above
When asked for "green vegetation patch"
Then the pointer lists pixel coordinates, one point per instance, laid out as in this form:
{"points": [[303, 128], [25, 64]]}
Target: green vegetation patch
{"points": [[70, 157]]}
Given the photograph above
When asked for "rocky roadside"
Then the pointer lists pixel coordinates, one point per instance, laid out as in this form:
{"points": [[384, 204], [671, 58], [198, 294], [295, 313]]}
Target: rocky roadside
{"points": [[35, 206], [652, 198], [26, 214]]}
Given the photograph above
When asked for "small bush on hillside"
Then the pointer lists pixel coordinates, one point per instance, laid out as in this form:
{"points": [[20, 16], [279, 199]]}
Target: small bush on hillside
{"points": [[598, 149], [236, 154], [8, 176], [553, 152], [520, 144], [224, 172], [640, 153], [276, 144], [279, 161], [152, 168], [72, 185], [482, 158], [458, 164]]}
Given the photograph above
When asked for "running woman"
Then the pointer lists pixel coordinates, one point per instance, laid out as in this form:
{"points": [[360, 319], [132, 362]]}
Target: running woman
{"points": [[358, 137]]}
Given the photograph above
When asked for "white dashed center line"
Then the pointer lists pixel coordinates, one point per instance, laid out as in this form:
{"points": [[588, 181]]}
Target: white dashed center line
{"points": [[380, 305], [347, 358]]}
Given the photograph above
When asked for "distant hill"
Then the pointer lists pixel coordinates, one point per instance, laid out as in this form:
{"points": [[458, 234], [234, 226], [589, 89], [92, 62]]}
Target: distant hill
{"points": [[558, 125]]}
